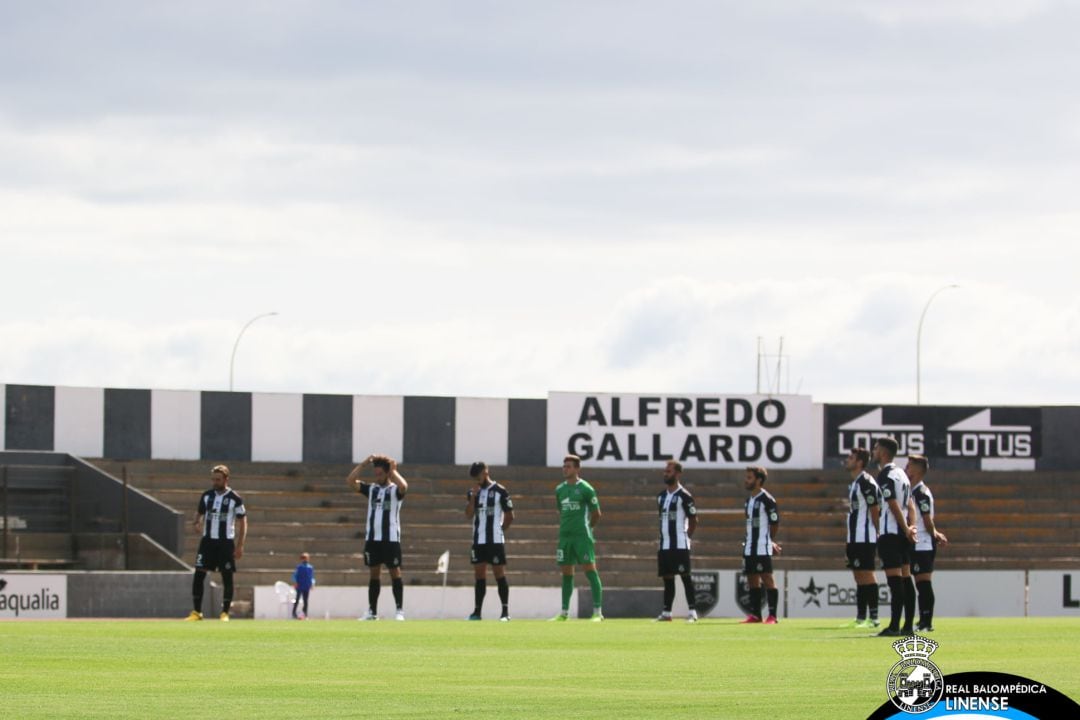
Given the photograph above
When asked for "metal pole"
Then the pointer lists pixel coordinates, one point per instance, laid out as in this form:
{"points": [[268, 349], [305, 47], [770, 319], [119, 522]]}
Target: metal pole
{"points": [[779, 364], [232, 359], [758, 387], [918, 343]]}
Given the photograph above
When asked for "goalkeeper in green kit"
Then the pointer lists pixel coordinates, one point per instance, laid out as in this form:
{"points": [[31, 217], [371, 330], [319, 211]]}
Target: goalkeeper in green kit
{"points": [[579, 511]]}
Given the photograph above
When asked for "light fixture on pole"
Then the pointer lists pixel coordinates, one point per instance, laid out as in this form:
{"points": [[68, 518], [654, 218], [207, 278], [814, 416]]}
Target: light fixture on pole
{"points": [[918, 343], [232, 360]]}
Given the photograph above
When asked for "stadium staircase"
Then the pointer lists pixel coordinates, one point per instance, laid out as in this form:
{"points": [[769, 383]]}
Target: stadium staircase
{"points": [[993, 520]]}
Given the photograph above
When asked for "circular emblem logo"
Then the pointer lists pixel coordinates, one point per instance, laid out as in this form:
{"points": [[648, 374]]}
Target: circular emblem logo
{"points": [[915, 685]]}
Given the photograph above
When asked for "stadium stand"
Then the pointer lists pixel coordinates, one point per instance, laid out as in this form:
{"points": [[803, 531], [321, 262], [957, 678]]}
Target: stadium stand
{"points": [[994, 520]]}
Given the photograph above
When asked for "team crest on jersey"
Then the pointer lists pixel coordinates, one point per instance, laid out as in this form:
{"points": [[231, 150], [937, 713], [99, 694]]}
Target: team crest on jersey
{"points": [[915, 684]]}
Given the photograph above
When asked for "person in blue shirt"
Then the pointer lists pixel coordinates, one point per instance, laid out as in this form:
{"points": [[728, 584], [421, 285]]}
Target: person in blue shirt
{"points": [[303, 578]]}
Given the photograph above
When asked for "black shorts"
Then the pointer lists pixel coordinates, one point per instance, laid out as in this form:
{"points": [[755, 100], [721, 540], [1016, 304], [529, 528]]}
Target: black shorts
{"points": [[860, 556], [922, 561], [382, 552], [489, 554], [757, 564], [216, 555], [894, 550], [672, 562]]}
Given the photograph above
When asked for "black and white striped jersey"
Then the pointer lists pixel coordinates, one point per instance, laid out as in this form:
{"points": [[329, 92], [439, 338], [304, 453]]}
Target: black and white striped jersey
{"points": [[676, 507], [894, 485], [761, 512], [384, 511], [219, 513], [924, 505], [863, 495], [488, 507]]}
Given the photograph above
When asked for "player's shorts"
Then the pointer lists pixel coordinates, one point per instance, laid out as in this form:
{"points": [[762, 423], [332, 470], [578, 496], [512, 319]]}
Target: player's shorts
{"points": [[216, 555], [578, 550], [861, 556], [757, 564], [672, 562], [894, 550], [489, 553], [922, 561], [382, 552]]}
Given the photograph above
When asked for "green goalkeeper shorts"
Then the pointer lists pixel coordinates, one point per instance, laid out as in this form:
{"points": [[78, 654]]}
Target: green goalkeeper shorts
{"points": [[575, 551]]}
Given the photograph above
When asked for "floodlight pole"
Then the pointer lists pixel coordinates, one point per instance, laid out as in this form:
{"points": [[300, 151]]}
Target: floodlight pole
{"points": [[232, 360], [918, 343]]}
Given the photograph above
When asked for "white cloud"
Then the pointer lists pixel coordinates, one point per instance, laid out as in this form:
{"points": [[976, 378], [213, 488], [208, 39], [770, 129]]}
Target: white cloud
{"points": [[508, 202]]}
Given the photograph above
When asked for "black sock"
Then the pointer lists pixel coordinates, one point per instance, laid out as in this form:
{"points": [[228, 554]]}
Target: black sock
{"points": [[373, 589], [872, 599], [909, 603], [861, 601], [197, 589], [504, 594], [755, 602], [227, 581], [479, 590], [774, 598], [896, 600], [296, 602], [926, 603], [399, 592], [669, 593], [688, 588]]}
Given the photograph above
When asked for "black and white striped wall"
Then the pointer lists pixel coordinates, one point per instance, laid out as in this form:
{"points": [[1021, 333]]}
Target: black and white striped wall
{"points": [[126, 424], [240, 426]]}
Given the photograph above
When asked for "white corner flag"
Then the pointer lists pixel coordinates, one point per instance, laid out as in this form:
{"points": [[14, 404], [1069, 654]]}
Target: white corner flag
{"points": [[443, 567]]}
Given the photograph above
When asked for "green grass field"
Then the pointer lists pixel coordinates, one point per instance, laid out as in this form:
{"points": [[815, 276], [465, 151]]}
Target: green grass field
{"points": [[523, 669]]}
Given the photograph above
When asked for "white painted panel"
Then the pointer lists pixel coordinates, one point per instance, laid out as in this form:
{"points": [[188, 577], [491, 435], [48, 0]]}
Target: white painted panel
{"points": [[79, 421], [1008, 464], [702, 431], [817, 439], [957, 593], [378, 425], [175, 424], [421, 602], [33, 596], [3, 417], [277, 427], [1054, 592], [717, 593], [482, 430]]}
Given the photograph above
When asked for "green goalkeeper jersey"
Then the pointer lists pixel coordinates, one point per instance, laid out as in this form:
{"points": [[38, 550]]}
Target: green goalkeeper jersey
{"points": [[575, 503]]}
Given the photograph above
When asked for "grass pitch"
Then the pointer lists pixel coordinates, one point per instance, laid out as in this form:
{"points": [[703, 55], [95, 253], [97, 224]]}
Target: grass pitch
{"points": [[522, 669]]}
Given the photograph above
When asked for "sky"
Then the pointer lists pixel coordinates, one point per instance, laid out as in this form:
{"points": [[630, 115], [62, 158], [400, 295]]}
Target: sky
{"points": [[503, 199]]}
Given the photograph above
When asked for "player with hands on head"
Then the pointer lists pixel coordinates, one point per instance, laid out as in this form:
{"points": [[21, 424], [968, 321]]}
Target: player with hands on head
{"points": [[382, 535]]}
